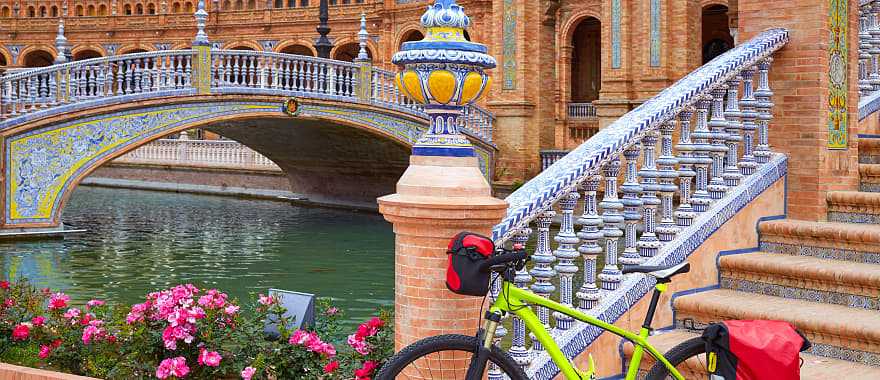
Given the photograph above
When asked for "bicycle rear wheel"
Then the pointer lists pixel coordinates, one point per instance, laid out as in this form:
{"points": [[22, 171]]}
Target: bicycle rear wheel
{"points": [[678, 356], [446, 357]]}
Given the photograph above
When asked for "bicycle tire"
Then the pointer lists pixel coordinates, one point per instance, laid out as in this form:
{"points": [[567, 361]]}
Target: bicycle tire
{"points": [[451, 342], [676, 356]]}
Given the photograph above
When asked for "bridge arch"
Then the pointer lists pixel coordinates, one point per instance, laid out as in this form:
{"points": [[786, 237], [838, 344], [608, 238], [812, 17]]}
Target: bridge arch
{"points": [[353, 153]]}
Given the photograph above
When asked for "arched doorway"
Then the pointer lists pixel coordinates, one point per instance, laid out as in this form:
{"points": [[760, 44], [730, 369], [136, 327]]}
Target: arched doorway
{"points": [[298, 50], [716, 38], [86, 54], [586, 61], [38, 58], [3, 63], [349, 52], [412, 35], [242, 47], [132, 51]]}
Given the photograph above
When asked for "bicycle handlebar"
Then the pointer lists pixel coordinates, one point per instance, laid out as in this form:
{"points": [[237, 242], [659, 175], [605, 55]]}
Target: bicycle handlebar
{"points": [[503, 259]]}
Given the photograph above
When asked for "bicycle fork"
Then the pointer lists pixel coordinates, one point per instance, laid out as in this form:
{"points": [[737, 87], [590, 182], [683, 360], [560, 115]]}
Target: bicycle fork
{"points": [[485, 339]]}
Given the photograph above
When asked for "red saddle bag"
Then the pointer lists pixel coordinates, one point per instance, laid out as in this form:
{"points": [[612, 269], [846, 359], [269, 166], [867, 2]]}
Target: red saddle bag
{"points": [[754, 350]]}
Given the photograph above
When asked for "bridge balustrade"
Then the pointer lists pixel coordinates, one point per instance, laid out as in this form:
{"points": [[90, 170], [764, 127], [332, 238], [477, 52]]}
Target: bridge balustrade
{"points": [[123, 78], [209, 153], [721, 161]]}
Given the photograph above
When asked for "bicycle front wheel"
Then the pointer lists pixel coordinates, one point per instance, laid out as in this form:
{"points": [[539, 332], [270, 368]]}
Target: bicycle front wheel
{"points": [[687, 357], [445, 357]]}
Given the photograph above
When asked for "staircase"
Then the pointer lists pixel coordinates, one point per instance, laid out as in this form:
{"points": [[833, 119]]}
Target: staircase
{"points": [[824, 277]]}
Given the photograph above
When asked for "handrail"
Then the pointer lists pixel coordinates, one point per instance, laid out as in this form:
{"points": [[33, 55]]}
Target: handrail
{"points": [[141, 76], [542, 191], [869, 57]]}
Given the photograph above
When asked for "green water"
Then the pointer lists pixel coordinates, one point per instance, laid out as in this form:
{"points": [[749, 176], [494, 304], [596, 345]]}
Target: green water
{"points": [[140, 241]]}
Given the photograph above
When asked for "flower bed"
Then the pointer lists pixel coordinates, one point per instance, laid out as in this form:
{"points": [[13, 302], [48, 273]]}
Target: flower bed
{"points": [[182, 332]]}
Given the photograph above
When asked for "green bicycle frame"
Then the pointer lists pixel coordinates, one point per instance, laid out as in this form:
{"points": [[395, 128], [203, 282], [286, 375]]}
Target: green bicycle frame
{"points": [[515, 300]]}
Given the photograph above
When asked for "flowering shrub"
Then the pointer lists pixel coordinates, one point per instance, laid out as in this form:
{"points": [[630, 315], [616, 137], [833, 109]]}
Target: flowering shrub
{"points": [[183, 332]]}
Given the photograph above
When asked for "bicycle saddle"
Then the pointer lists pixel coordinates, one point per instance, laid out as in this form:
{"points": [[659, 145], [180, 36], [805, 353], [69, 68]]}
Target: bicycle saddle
{"points": [[662, 273]]}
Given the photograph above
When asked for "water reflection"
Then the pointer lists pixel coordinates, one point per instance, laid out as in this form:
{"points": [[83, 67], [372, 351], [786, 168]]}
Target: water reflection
{"points": [[140, 241]]}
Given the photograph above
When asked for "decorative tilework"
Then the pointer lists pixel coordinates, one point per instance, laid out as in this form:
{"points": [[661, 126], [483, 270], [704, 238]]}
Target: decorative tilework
{"points": [[838, 85], [836, 298], [615, 34], [111, 48], [542, 191], [614, 304], [655, 32], [821, 252], [508, 50], [852, 217], [43, 163], [14, 50]]}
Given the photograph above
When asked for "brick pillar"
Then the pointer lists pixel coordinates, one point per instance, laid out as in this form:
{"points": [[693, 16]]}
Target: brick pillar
{"points": [[436, 198], [800, 78]]}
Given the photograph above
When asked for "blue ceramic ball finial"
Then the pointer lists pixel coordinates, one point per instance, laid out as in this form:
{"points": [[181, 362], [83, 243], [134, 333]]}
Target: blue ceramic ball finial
{"points": [[444, 72]]}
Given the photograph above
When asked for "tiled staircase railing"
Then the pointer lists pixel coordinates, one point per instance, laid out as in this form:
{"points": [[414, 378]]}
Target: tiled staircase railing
{"points": [[721, 161], [131, 77], [869, 57]]}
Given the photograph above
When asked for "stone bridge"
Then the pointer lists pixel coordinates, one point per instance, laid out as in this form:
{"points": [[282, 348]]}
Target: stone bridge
{"points": [[341, 131]]}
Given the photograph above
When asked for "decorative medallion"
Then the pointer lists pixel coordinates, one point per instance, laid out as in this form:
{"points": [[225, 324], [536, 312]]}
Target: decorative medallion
{"points": [[838, 81], [291, 107]]}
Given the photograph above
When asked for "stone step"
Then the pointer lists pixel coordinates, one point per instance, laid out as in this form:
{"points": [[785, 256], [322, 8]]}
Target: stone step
{"points": [[836, 331], [814, 367], [829, 240], [853, 207], [869, 150], [869, 177], [803, 277]]}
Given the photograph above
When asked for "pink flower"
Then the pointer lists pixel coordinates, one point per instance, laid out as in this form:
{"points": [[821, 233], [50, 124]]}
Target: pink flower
{"points": [[4, 285], [332, 311], [248, 372], [209, 358], [9, 302], [44, 351], [38, 320], [172, 367], [375, 323], [94, 303], [71, 313], [58, 301], [366, 370], [21, 332], [359, 344], [92, 331], [231, 309], [330, 367], [266, 300]]}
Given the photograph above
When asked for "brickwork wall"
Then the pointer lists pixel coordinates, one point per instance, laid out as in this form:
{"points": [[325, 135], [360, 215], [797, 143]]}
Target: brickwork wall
{"points": [[799, 79]]}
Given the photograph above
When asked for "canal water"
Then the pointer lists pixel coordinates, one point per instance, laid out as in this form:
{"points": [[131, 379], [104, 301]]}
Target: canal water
{"points": [[140, 241]]}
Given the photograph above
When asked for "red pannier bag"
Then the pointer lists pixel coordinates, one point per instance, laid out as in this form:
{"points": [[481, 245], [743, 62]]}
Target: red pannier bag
{"points": [[467, 251], [754, 350]]}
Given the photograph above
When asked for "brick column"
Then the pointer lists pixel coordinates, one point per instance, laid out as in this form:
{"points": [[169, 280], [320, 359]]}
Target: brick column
{"points": [[801, 81], [436, 198]]}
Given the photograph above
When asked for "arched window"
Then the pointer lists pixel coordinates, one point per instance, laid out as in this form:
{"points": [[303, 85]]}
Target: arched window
{"points": [[298, 49], [151, 9], [227, 5], [38, 58], [5, 12], [303, 3], [252, 4], [42, 11], [349, 52], [332, 2], [127, 9], [586, 61], [138, 9], [239, 5], [716, 37], [412, 35], [79, 11], [291, 3], [279, 4], [54, 11], [102, 10], [32, 12], [91, 11], [175, 8], [189, 7], [86, 54]]}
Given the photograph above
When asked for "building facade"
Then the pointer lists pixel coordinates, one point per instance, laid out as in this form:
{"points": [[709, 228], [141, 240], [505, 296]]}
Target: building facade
{"points": [[566, 67]]}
